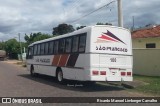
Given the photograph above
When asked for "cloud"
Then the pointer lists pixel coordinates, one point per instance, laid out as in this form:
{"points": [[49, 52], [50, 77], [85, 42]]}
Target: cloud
{"points": [[1, 34], [144, 12], [26, 16]]}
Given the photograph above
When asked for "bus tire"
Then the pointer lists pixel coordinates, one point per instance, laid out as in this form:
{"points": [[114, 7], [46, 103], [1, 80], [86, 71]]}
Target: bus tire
{"points": [[59, 75], [32, 73]]}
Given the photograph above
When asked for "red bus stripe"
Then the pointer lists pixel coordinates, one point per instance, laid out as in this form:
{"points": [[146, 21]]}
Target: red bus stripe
{"points": [[56, 60], [63, 60]]}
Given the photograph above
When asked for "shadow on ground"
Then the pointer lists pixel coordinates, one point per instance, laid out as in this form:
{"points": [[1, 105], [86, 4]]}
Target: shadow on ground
{"points": [[73, 85]]}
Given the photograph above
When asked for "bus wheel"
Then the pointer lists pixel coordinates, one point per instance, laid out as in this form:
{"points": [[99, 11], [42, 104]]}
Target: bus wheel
{"points": [[32, 73], [59, 76]]}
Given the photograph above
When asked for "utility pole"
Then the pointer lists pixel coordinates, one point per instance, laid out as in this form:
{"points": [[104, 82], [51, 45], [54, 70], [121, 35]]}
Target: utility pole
{"points": [[20, 45], [120, 13], [133, 23]]}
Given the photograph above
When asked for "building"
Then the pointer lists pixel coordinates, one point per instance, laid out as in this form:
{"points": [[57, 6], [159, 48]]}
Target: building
{"points": [[146, 38], [146, 51]]}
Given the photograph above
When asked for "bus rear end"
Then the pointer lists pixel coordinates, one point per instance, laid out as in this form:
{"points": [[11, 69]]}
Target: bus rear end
{"points": [[110, 54]]}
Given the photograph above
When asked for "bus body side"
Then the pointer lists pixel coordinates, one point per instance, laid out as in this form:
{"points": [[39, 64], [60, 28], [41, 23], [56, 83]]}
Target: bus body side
{"points": [[47, 65], [107, 57]]}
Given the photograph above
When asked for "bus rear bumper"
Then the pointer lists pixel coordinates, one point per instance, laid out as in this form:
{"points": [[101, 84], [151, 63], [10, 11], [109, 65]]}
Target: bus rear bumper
{"points": [[110, 78], [119, 79]]}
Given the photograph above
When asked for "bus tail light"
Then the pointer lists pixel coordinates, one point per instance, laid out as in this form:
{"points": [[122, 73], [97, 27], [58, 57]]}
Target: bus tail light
{"points": [[123, 73], [95, 72], [103, 73], [129, 73]]}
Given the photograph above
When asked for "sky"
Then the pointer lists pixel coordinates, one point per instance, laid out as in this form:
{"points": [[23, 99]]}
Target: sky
{"points": [[31, 16]]}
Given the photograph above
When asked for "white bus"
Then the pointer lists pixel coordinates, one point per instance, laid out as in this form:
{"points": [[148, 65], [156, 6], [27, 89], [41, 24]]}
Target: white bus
{"points": [[95, 53]]}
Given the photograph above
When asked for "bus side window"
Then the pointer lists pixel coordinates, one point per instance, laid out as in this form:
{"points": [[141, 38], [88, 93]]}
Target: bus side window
{"points": [[46, 48], [38, 52], [82, 43], [56, 43], [75, 44], [42, 49], [30, 53], [51, 47], [68, 45], [35, 50], [61, 46]]}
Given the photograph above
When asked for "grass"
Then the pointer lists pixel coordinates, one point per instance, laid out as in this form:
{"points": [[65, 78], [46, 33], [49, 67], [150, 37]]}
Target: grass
{"points": [[152, 87]]}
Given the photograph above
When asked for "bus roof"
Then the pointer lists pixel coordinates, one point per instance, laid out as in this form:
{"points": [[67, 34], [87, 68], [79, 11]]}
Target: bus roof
{"points": [[83, 30]]}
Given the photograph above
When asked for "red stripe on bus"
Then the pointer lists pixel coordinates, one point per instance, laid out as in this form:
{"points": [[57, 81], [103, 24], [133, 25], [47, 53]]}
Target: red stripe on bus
{"points": [[63, 60], [56, 60]]}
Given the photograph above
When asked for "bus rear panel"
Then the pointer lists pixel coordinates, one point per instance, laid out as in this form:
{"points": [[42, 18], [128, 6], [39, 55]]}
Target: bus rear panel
{"points": [[110, 54]]}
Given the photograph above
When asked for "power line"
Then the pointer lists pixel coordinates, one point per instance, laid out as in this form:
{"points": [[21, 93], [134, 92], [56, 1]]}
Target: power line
{"points": [[76, 4], [106, 5], [110, 11]]}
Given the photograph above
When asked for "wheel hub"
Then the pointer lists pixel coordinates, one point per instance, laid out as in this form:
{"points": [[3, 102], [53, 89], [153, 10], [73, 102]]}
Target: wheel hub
{"points": [[60, 76]]}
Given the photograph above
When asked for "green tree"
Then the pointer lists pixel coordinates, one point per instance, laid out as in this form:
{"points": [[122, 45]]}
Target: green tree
{"points": [[80, 27], [12, 48], [2, 45], [33, 37], [99, 23], [62, 29]]}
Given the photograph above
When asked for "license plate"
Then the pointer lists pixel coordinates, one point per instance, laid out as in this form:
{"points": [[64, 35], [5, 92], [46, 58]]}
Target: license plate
{"points": [[114, 71]]}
